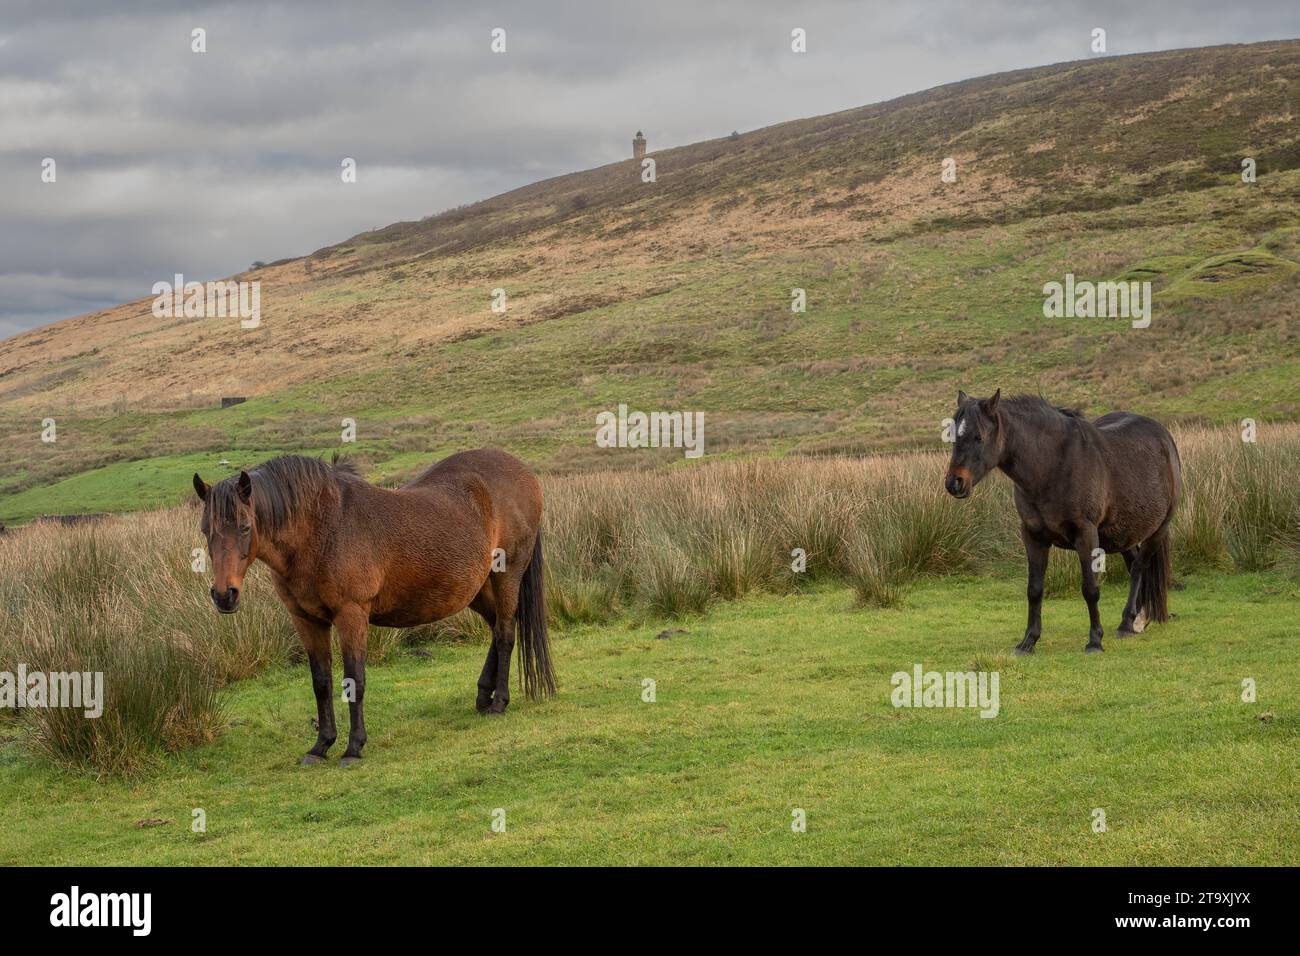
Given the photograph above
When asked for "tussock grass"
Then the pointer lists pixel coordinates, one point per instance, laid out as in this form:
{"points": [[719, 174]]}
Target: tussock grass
{"points": [[121, 596], [138, 571], [1241, 507]]}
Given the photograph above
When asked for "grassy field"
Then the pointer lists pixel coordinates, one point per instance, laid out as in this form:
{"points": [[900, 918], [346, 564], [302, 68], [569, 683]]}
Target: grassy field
{"points": [[124, 597], [766, 705]]}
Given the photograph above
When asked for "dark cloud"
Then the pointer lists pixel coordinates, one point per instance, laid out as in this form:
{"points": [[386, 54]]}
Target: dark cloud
{"points": [[169, 161]]}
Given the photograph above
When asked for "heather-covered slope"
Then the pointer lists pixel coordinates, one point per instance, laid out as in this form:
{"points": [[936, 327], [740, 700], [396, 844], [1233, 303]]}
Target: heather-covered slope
{"points": [[676, 294]]}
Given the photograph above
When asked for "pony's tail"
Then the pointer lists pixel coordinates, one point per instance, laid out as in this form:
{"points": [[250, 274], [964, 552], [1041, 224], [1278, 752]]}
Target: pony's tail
{"points": [[535, 670], [1153, 586]]}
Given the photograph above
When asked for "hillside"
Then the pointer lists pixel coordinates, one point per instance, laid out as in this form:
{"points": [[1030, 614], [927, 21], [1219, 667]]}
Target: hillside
{"points": [[676, 294]]}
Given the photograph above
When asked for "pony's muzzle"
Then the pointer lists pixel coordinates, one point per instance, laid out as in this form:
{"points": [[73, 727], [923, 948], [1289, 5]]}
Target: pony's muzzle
{"points": [[958, 484], [227, 601]]}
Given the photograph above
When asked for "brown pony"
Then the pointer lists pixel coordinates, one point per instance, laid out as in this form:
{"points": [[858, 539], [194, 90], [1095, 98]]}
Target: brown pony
{"points": [[1092, 487], [465, 533]]}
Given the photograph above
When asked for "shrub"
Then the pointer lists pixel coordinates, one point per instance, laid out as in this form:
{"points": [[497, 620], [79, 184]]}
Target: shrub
{"points": [[667, 583]]}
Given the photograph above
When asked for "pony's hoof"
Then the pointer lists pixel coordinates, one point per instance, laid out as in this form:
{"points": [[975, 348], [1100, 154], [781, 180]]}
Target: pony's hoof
{"points": [[311, 759], [1093, 649], [1022, 651], [482, 704], [1125, 632], [349, 761], [496, 709]]}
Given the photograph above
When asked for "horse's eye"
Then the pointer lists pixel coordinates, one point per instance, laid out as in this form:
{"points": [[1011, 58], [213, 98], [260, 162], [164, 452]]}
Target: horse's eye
{"points": [[245, 531]]}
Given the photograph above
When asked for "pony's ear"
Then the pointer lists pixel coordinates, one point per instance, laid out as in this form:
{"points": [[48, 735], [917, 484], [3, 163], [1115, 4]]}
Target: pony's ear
{"points": [[245, 487], [991, 404], [962, 397], [200, 488]]}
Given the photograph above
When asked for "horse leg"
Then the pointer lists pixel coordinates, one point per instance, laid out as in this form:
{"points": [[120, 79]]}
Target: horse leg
{"points": [[487, 679], [506, 590], [1085, 542], [1037, 553], [315, 639], [1128, 623], [353, 624]]}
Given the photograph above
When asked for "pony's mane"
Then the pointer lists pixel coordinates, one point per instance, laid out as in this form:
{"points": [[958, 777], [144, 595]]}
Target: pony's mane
{"points": [[1035, 406], [280, 486]]}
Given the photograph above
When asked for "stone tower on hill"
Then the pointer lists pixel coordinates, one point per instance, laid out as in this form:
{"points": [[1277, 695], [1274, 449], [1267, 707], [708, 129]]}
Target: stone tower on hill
{"points": [[638, 146]]}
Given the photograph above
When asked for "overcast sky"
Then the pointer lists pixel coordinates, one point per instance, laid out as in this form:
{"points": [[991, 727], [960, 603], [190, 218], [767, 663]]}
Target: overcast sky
{"points": [[174, 161]]}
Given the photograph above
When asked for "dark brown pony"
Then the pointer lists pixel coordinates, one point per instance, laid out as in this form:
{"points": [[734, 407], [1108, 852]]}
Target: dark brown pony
{"points": [[465, 533], [1110, 484]]}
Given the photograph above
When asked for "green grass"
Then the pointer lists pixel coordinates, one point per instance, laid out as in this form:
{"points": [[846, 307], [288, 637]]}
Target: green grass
{"points": [[147, 483], [765, 705], [138, 485]]}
